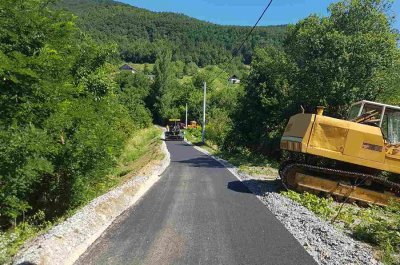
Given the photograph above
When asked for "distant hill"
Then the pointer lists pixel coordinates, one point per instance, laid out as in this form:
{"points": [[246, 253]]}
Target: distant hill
{"points": [[140, 33]]}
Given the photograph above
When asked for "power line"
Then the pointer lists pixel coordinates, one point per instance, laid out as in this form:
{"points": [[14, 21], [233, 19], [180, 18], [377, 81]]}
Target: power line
{"points": [[246, 38]]}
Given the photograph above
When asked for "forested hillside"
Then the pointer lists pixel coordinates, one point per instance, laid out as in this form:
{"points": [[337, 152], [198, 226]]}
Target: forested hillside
{"points": [[140, 33]]}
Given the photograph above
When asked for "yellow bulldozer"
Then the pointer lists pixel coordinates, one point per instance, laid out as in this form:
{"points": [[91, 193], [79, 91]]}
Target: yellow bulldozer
{"points": [[345, 158], [193, 125]]}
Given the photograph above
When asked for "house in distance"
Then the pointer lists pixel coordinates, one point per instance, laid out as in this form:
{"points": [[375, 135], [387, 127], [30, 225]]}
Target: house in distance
{"points": [[127, 67], [234, 80]]}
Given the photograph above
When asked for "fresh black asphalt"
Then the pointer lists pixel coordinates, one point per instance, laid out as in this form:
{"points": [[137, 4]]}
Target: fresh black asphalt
{"points": [[197, 213]]}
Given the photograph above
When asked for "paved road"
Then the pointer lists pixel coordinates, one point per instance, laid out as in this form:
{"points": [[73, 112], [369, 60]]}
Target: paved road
{"points": [[197, 213]]}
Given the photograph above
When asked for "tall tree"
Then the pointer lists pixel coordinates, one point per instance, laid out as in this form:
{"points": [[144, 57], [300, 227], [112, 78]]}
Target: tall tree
{"points": [[258, 119], [162, 96], [340, 56]]}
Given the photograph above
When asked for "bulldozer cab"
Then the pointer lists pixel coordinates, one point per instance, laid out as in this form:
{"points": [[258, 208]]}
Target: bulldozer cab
{"points": [[173, 125], [386, 117]]}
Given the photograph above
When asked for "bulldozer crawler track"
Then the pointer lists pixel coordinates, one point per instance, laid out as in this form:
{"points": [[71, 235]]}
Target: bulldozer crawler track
{"points": [[290, 167]]}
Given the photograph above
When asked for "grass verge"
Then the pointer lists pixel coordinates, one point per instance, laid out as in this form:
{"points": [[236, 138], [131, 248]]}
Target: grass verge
{"points": [[140, 150]]}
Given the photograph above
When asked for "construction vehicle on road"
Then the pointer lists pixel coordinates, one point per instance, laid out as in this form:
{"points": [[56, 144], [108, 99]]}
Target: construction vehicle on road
{"points": [[174, 131], [352, 160]]}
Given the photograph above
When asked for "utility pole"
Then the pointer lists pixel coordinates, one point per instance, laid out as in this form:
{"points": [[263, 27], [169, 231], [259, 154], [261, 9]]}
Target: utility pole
{"points": [[186, 117], [203, 134]]}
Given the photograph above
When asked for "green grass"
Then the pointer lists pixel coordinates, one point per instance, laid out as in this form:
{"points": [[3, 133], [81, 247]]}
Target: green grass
{"points": [[140, 149], [146, 141], [378, 226], [250, 163]]}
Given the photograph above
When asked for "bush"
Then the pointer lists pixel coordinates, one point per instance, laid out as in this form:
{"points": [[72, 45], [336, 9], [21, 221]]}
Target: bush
{"points": [[218, 126]]}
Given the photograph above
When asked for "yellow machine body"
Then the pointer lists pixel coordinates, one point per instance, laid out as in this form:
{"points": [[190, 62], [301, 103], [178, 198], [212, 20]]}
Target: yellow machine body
{"points": [[340, 140], [193, 125], [369, 138]]}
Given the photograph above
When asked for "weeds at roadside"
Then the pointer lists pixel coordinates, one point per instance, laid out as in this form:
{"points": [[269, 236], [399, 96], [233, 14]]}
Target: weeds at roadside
{"points": [[11, 240], [379, 226]]}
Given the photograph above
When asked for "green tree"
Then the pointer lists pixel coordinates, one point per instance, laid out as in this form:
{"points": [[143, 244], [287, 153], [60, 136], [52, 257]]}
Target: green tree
{"points": [[261, 112], [340, 57], [218, 126], [134, 89], [389, 82], [190, 69], [179, 69], [163, 94]]}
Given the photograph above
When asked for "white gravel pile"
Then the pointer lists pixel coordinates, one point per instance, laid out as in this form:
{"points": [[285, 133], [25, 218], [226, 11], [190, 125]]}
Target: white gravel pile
{"points": [[64, 243], [323, 242]]}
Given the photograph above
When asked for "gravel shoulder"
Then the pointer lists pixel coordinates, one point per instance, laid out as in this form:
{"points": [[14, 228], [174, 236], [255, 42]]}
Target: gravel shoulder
{"points": [[325, 243], [64, 243]]}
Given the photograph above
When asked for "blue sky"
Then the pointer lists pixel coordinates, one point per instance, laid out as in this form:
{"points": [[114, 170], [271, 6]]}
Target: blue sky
{"points": [[244, 12]]}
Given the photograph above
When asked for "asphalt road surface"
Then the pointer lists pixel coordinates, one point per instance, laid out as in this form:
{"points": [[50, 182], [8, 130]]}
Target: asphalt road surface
{"points": [[197, 213]]}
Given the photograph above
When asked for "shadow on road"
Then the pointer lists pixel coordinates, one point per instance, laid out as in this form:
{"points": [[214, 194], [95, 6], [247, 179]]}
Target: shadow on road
{"points": [[203, 161], [238, 186], [255, 186]]}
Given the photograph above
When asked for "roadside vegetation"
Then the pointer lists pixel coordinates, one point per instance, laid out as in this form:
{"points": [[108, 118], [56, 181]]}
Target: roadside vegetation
{"points": [[141, 148], [246, 161], [376, 225], [71, 126]]}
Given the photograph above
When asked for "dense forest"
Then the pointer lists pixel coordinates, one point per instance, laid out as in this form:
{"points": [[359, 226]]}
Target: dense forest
{"points": [[140, 33]]}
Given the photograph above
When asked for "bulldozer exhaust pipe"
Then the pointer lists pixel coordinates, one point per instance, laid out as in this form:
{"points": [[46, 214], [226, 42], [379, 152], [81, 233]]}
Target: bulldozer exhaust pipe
{"points": [[320, 110]]}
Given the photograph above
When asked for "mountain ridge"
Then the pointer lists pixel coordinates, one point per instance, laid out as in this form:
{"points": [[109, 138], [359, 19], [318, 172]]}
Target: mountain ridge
{"points": [[140, 33]]}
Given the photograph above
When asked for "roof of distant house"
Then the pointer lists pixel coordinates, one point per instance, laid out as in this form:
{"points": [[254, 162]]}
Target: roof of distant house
{"points": [[127, 67]]}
